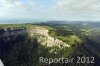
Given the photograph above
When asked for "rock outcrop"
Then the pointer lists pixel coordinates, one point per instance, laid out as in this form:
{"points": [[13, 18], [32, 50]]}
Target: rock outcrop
{"points": [[44, 39], [41, 34]]}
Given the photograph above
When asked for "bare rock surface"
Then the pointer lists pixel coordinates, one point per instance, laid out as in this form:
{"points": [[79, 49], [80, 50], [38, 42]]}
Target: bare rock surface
{"points": [[46, 40]]}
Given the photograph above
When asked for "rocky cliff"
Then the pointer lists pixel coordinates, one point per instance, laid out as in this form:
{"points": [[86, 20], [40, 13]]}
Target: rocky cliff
{"points": [[44, 39], [41, 34]]}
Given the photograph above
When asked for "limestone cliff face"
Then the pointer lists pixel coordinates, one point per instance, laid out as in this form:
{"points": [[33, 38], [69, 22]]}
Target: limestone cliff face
{"points": [[41, 34], [44, 39]]}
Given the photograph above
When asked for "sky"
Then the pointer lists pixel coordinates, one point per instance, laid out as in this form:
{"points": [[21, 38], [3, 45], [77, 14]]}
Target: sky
{"points": [[86, 10]]}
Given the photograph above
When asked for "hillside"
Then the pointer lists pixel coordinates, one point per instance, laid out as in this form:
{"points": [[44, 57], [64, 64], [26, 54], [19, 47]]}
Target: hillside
{"points": [[22, 46]]}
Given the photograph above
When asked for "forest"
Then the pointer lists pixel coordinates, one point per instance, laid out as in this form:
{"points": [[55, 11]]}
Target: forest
{"points": [[18, 48]]}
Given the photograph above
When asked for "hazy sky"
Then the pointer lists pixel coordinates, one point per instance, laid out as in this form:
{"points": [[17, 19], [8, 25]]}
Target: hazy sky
{"points": [[50, 9]]}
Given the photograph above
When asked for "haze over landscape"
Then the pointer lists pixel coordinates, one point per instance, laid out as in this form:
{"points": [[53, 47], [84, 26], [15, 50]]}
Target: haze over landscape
{"points": [[44, 10]]}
